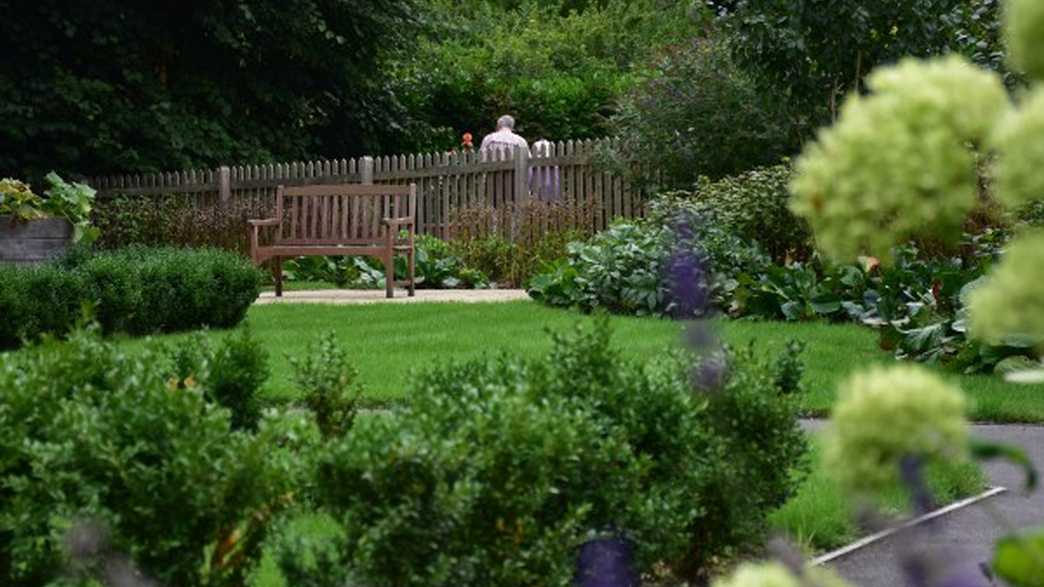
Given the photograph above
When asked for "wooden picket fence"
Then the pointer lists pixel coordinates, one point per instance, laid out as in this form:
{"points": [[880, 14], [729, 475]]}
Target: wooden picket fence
{"points": [[448, 184]]}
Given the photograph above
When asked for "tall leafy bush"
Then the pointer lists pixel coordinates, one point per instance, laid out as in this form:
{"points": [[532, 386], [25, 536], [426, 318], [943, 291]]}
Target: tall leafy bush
{"points": [[755, 206], [696, 113], [557, 67]]}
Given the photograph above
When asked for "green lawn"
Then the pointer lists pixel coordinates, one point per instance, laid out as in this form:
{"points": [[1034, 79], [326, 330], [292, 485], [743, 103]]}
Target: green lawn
{"points": [[389, 341]]}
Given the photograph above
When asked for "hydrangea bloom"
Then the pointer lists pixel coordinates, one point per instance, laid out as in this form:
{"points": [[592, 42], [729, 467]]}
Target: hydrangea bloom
{"points": [[1024, 25], [898, 162], [1012, 301], [774, 574], [886, 414], [1019, 139]]}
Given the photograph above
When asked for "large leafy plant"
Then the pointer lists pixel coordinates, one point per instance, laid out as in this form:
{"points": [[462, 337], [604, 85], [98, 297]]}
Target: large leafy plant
{"points": [[624, 269], [19, 201], [72, 201]]}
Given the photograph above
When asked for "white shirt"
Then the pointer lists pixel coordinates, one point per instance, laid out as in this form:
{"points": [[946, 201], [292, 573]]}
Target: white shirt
{"points": [[504, 139]]}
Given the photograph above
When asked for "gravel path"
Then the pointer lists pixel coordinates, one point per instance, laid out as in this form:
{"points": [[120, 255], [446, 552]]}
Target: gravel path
{"points": [[374, 296]]}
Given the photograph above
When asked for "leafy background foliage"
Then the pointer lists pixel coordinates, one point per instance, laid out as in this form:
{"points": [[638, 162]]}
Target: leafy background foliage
{"points": [[109, 86]]}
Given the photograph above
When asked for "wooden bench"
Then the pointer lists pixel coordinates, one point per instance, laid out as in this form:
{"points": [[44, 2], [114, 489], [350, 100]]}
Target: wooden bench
{"points": [[349, 219]]}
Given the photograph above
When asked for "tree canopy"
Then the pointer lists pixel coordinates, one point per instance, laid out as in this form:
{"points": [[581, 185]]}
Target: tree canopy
{"points": [[102, 86], [818, 50]]}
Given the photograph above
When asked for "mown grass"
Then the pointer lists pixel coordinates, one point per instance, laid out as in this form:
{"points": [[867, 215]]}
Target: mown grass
{"points": [[389, 342]]}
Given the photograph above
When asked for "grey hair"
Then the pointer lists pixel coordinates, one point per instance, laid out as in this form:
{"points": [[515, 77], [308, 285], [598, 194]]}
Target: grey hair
{"points": [[506, 121]]}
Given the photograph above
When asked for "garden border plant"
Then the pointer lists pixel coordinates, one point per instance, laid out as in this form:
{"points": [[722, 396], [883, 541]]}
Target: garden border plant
{"points": [[71, 201], [136, 290]]}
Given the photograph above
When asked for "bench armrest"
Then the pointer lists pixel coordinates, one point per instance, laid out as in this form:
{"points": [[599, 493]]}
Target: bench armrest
{"points": [[265, 222], [405, 221]]}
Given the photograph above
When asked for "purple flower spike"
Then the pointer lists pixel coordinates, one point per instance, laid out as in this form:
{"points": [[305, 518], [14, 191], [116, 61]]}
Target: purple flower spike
{"points": [[709, 374], [606, 562], [700, 336], [687, 275], [911, 472]]}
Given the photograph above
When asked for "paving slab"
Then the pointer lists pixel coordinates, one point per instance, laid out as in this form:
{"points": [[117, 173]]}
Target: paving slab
{"points": [[373, 296]]}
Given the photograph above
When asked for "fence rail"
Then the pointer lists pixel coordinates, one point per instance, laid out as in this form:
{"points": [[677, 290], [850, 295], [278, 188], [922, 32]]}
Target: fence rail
{"points": [[447, 183]]}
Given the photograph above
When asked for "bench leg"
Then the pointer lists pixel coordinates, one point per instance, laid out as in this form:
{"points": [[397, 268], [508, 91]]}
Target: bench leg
{"points": [[389, 275], [277, 272], [411, 270]]}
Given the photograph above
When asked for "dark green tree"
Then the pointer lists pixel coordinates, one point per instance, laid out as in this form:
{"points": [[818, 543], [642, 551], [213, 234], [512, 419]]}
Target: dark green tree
{"points": [[814, 51], [105, 86]]}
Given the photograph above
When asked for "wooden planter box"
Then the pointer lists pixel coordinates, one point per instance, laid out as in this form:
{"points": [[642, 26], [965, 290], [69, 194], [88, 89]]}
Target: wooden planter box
{"points": [[33, 241]]}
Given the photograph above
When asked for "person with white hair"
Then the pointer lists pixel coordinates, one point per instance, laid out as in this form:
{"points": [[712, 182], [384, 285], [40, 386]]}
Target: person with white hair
{"points": [[545, 182], [504, 137]]}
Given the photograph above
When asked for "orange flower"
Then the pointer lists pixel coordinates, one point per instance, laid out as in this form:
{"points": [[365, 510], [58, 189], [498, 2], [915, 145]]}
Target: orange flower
{"points": [[467, 140], [871, 263]]}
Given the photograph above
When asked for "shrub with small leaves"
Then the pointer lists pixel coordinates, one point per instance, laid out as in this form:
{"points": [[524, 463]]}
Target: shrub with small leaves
{"points": [[88, 431], [307, 548], [897, 164], [884, 415], [499, 468], [231, 375], [136, 290], [326, 377]]}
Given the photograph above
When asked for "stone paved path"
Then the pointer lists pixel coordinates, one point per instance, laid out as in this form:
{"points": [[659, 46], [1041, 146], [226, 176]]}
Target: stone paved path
{"points": [[965, 537], [373, 296]]}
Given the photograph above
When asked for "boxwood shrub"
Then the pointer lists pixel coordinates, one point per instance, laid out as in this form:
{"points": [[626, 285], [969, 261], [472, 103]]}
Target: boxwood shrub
{"points": [[92, 435], [500, 468], [134, 290]]}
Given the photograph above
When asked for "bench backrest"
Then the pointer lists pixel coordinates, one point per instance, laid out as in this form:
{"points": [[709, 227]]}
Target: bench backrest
{"points": [[340, 214]]}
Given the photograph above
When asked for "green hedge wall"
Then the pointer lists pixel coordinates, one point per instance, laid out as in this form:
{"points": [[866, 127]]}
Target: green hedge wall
{"points": [[135, 290]]}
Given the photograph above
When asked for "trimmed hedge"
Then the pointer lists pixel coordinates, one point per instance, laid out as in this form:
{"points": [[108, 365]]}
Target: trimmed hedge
{"points": [[135, 290]]}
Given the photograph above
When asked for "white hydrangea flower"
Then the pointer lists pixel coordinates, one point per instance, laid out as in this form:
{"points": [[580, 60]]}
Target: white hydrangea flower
{"points": [[887, 413], [774, 574], [1011, 302], [899, 162], [1019, 141], [1024, 32]]}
